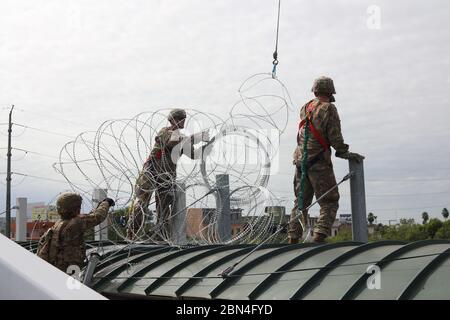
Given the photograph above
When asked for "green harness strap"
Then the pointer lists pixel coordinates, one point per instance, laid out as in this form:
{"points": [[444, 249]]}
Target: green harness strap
{"points": [[303, 168]]}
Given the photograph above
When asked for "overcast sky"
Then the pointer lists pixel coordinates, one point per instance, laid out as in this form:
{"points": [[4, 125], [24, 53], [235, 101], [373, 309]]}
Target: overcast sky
{"points": [[69, 65]]}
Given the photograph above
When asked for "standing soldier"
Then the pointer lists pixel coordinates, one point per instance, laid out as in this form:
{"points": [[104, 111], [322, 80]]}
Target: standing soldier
{"points": [[159, 174], [319, 129], [63, 245]]}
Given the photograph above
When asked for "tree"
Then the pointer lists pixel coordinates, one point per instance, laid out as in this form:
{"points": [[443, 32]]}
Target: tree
{"points": [[371, 218], [407, 230], [433, 226], [117, 228], [343, 235], [444, 231], [445, 213], [425, 217], [406, 221]]}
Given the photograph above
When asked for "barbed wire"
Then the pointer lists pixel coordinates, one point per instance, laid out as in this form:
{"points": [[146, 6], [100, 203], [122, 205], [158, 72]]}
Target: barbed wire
{"points": [[244, 143]]}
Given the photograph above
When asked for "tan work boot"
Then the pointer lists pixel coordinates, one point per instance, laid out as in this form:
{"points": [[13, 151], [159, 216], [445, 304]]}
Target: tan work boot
{"points": [[292, 240], [319, 237]]}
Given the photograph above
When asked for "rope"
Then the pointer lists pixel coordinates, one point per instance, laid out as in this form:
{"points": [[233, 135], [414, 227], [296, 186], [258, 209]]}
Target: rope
{"points": [[300, 199], [303, 167]]}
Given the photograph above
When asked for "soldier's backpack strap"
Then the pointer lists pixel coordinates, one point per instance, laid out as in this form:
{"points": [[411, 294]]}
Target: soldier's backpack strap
{"points": [[43, 250], [56, 253], [309, 108]]}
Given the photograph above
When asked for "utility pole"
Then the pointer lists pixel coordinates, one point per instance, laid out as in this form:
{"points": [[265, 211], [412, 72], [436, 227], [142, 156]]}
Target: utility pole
{"points": [[8, 179]]}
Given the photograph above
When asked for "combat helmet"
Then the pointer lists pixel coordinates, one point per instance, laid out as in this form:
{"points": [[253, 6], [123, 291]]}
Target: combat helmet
{"points": [[324, 85], [177, 114], [68, 203]]}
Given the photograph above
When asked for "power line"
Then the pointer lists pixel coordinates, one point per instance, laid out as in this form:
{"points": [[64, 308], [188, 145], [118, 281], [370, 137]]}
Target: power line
{"points": [[48, 116], [68, 161], [48, 179], [40, 154], [12, 208], [45, 131]]}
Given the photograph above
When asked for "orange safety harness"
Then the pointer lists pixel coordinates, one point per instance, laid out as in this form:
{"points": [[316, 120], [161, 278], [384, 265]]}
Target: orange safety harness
{"points": [[309, 110]]}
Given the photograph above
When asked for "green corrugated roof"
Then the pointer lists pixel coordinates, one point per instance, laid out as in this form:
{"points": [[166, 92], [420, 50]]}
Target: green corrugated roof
{"points": [[418, 270]]}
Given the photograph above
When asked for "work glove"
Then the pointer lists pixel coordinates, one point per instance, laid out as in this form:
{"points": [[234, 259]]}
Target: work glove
{"points": [[355, 156], [110, 202], [205, 136], [201, 136], [351, 156]]}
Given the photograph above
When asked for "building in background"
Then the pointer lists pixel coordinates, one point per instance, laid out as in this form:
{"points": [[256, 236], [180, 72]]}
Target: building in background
{"points": [[35, 229], [31, 206], [43, 212], [344, 222], [198, 221], [278, 213], [2, 225], [345, 218]]}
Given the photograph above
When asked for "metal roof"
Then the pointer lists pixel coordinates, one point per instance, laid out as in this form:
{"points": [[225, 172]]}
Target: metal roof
{"points": [[417, 270]]}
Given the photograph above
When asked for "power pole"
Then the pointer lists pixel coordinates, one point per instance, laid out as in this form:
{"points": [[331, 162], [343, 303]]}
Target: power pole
{"points": [[8, 179]]}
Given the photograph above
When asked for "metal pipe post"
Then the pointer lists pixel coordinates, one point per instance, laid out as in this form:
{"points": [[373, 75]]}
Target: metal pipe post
{"points": [[358, 200], [223, 207], [21, 219], [101, 231], [179, 220], [93, 260]]}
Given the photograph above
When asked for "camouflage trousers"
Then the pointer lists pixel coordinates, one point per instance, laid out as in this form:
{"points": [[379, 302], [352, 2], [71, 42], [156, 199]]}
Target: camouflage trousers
{"points": [[319, 179], [147, 184]]}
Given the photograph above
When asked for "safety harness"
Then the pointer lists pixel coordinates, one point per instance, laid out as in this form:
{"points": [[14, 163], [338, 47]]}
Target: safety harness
{"points": [[308, 122], [308, 125]]}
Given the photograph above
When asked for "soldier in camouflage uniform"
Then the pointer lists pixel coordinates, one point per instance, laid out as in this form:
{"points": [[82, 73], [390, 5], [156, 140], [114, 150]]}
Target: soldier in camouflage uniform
{"points": [[324, 132], [159, 174], [63, 245]]}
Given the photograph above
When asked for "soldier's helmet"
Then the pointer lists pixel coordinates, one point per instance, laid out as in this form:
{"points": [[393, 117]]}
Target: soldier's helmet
{"points": [[68, 203], [177, 115], [324, 85]]}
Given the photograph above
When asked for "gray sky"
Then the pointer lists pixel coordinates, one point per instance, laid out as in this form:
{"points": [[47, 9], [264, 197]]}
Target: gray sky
{"points": [[70, 65]]}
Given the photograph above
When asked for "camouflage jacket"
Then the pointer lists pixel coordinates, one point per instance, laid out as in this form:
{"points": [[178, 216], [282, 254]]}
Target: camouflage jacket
{"points": [[325, 120], [169, 146], [67, 246]]}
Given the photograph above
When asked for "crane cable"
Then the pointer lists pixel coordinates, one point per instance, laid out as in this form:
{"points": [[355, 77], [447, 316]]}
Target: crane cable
{"points": [[275, 53]]}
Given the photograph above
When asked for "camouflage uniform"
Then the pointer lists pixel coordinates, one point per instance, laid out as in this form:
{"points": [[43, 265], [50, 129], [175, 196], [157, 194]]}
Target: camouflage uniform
{"points": [[320, 176], [67, 246], [159, 175]]}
